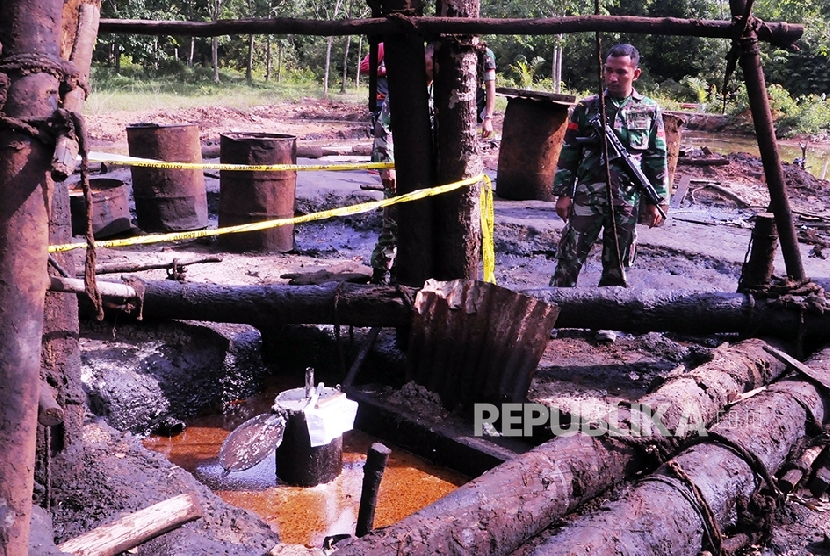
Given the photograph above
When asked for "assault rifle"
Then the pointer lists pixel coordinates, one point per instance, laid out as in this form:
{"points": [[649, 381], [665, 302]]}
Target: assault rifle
{"points": [[617, 150]]}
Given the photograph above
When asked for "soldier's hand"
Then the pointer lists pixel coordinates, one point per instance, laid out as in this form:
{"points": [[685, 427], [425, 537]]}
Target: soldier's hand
{"points": [[653, 217], [563, 207], [487, 128]]}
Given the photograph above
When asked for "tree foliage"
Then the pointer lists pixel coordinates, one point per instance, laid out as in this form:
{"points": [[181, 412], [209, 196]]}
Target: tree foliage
{"points": [[682, 66]]}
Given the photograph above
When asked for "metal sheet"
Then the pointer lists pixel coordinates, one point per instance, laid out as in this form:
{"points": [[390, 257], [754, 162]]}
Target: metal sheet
{"points": [[531, 142], [477, 342]]}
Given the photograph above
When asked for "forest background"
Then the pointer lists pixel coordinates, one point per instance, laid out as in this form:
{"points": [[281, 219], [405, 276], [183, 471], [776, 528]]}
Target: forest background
{"points": [[131, 71]]}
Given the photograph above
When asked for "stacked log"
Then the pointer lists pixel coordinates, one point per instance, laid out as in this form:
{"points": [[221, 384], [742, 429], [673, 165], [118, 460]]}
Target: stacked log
{"points": [[496, 512], [687, 504]]}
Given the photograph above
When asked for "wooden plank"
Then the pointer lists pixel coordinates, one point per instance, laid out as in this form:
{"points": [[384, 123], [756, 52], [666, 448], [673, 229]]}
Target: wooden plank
{"points": [[132, 530], [682, 188]]}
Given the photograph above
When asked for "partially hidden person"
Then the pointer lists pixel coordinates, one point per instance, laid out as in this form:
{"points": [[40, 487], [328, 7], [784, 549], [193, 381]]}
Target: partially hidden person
{"points": [[485, 87], [383, 150]]}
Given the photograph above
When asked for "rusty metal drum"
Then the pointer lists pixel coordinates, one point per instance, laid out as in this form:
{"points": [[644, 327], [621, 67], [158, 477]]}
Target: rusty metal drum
{"points": [[246, 197], [110, 208], [534, 125], [168, 199]]}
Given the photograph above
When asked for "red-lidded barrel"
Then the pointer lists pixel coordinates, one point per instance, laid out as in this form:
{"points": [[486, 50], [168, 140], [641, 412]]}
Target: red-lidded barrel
{"points": [[532, 133], [168, 199], [246, 197]]}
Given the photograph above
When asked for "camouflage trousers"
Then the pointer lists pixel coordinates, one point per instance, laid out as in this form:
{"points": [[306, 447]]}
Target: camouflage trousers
{"points": [[588, 218], [386, 247]]}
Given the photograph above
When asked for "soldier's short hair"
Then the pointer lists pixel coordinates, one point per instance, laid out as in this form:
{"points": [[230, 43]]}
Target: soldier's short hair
{"points": [[620, 50]]}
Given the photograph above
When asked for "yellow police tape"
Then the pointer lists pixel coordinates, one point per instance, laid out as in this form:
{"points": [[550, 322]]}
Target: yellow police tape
{"points": [[149, 163], [487, 222]]}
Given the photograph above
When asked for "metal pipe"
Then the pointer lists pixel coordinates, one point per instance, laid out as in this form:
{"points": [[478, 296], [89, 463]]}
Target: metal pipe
{"points": [[30, 32]]}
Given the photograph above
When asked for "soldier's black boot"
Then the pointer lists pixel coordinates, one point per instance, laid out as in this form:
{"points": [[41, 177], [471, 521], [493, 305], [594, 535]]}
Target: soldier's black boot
{"points": [[380, 277]]}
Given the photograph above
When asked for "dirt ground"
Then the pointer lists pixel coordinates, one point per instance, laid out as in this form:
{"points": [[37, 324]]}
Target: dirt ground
{"points": [[701, 249]]}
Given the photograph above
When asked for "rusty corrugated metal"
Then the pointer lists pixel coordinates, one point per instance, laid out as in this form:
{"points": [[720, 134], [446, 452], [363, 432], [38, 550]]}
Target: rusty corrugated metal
{"points": [[531, 142], [477, 342]]}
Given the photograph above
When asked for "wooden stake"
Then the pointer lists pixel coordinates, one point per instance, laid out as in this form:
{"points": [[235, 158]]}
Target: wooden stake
{"points": [[372, 474]]}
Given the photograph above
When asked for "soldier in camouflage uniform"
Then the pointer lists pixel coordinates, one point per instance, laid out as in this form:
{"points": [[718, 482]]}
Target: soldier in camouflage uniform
{"points": [[580, 180]]}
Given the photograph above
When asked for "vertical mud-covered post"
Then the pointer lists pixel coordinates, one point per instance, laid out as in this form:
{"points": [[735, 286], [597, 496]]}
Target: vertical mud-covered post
{"points": [[60, 355], [757, 271], [412, 132], [457, 215], [457, 222], [750, 60], [30, 68]]}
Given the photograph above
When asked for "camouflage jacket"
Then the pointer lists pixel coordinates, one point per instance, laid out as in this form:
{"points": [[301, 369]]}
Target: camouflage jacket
{"points": [[638, 122]]}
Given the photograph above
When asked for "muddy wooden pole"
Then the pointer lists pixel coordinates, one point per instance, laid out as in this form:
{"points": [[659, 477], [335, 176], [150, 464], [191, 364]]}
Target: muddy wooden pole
{"points": [[496, 512], [376, 462], [29, 37], [412, 133], [688, 502], [779, 33], [757, 271], [756, 88], [457, 222], [612, 308]]}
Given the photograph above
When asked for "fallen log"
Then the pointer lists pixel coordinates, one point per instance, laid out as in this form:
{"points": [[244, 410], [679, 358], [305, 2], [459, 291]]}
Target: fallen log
{"points": [[128, 267], [686, 505], [76, 285], [793, 477], [49, 413], [496, 512], [134, 529], [611, 308], [333, 302], [704, 313]]}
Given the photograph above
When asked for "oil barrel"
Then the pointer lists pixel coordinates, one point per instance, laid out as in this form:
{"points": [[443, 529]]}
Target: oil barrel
{"points": [[298, 462], [532, 133], [110, 208], [246, 197], [168, 199]]}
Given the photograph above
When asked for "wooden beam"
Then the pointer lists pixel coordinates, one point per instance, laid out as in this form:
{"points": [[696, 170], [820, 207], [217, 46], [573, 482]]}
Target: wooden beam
{"points": [[134, 529], [782, 34]]}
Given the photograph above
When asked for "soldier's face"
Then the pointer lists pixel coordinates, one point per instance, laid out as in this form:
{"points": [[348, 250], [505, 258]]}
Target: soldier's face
{"points": [[620, 74]]}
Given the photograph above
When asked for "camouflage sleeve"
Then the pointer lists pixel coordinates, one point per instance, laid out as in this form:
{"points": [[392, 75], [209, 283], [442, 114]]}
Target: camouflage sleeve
{"points": [[655, 160], [571, 153], [383, 148]]}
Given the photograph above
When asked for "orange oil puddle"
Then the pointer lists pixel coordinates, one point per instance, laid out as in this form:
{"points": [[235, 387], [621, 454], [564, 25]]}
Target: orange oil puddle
{"points": [[308, 515]]}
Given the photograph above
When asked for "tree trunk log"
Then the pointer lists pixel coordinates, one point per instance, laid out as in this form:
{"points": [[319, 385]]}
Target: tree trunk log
{"points": [[782, 34], [641, 311], [611, 308], [134, 529], [348, 304], [496, 512], [660, 515], [457, 215]]}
